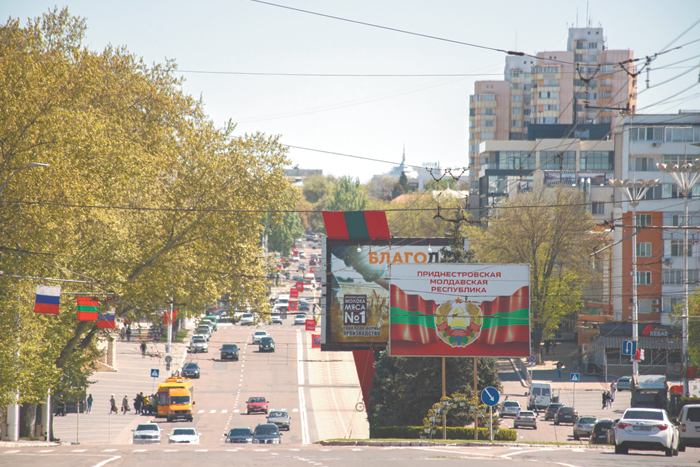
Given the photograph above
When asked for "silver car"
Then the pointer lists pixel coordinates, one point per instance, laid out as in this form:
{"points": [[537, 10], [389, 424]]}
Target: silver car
{"points": [[584, 426], [280, 418], [510, 409], [525, 418], [146, 433]]}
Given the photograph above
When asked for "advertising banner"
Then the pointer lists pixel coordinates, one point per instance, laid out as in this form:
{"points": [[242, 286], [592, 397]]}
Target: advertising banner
{"points": [[315, 341], [460, 310], [310, 324], [293, 293], [292, 306], [357, 289]]}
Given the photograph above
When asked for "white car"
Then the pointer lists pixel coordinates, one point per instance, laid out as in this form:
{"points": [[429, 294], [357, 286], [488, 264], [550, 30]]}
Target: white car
{"points": [[257, 335], [646, 429], [510, 408], [247, 319], [184, 436], [300, 319], [199, 344], [276, 319], [146, 433]]}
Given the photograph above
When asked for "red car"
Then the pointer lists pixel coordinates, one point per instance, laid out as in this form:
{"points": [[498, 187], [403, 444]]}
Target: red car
{"points": [[257, 404]]}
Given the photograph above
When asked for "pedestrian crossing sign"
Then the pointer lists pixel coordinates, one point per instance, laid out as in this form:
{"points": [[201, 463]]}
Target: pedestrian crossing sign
{"points": [[575, 377], [154, 373]]}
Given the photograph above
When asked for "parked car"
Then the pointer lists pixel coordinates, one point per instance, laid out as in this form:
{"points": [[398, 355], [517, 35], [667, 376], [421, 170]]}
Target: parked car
{"points": [[257, 404], [624, 383], [525, 418], [552, 410], [600, 432], [300, 319], [247, 319], [510, 409], [584, 426], [257, 335], [229, 351], [204, 330], [280, 418], [191, 370], [184, 436], [267, 344], [689, 419], [646, 429], [239, 435], [267, 433], [146, 433], [198, 344], [566, 415]]}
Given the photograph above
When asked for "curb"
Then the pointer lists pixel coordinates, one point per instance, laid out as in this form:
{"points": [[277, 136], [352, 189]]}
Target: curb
{"points": [[28, 444], [464, 444], [517, 371]]}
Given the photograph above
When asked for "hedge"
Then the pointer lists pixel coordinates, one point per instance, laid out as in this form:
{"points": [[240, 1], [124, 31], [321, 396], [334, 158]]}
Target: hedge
{"points": [[414, 432]]}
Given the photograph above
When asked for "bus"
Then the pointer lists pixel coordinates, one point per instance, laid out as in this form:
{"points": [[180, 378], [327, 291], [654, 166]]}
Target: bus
{"points": [[649, 391]]}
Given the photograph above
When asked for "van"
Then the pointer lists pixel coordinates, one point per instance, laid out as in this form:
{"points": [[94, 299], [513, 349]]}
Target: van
{"points": [[540, 395], [649, 391], [175, 399], [690, 426]]}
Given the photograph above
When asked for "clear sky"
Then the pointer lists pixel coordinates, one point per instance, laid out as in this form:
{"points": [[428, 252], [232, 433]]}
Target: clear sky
{"points": [[374, 117]]}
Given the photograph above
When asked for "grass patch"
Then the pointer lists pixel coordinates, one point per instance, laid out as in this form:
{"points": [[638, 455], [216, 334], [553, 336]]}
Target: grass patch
{"points": [[460, 441], [179, 337]]}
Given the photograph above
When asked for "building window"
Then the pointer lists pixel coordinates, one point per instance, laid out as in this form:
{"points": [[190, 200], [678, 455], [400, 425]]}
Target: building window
{"points": [[592, 45], [673, 276], [513, 160], [554, 160], [549, 83], [643, 219], [515, 123], [488, 111], [517, 98], [682, 134], [643, 164], [644, 249], [550, 107], [669, 304], [486, 135], [606, 69], [597, 208], [670, 190], [488, 123], [643, 277], [606, 82], [516, 110], [605, 94], [597, 160], [547, 94], [592, 95], [677, 248], [649, 133], [485, 98]]}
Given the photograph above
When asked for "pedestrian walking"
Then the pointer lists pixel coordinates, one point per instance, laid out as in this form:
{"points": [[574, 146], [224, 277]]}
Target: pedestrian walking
{"points": [[143, 348], [559, 367], [89, 403], [546, 346], [60, 407], [128, 334], [113, 405], [125, 404], [137, 404], [610, 400], [605, 399], [554, 346], [146, 405]]}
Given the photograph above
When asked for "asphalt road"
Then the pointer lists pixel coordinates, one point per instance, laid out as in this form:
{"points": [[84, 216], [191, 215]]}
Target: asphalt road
{"points": [[314, 455]]}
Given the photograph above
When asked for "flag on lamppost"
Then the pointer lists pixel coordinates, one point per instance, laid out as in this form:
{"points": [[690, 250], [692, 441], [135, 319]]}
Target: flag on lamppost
{"points": [[106, 321], [87, 308], [47, 299]]}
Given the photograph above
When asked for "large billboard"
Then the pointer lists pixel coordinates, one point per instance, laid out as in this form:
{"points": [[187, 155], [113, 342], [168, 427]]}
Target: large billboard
{"points": [[356, 312], [460, 310]]}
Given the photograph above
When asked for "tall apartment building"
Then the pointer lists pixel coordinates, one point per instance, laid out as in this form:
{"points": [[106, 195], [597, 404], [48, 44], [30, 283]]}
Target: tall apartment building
{"points": [[559, 87]]}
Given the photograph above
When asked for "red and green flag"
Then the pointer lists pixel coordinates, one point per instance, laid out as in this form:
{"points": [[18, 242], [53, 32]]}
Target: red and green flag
{"points": [[87, 308]]}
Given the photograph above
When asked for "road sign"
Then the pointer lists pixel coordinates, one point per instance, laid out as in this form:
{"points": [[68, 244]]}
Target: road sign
{"points": [[168, 359], [531, 359], [154, 373], [629, 347], [575, 377], [490, 396]]}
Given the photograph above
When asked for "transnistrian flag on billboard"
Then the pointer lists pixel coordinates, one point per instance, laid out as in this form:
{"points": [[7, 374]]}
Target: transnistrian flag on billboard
{"points": [[106, 321], [47, 299], [462, 310], [87, 308]]}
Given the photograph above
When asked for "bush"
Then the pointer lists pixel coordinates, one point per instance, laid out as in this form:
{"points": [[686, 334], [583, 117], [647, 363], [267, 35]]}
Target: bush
{"points": [[414, 432]]}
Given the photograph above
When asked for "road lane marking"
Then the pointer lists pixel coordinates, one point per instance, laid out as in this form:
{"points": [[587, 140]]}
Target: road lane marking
{"points": [[236, 411], [100, 464], [302, 400], [140, 450], [295, 410], [108, 450], [224, 411], [201, 450], [79, 450], [212, 411], [43, 451], [170, 450], [201, 411]]}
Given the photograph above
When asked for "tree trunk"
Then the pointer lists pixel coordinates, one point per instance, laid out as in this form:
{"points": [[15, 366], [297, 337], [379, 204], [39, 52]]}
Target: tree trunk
{"points": [[27, 420]]}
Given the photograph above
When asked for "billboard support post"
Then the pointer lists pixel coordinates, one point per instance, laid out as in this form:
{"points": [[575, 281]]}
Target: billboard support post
{"points": [[444, 394], [476, 414]]}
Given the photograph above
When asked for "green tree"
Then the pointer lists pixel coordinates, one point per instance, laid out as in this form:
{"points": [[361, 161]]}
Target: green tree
{"points": [[404, 389], [316, 191], [348, 195], [401, 187], [550, 230], [381, 188], [693, 325], [281, 235]]}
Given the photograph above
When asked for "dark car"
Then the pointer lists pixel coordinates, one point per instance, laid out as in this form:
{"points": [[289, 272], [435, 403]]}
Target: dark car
{"points": [[552, 410], [239, 435], [566, 415], [267, 344], [191, 370], [267, 433], [600, 431], [229, 351]]}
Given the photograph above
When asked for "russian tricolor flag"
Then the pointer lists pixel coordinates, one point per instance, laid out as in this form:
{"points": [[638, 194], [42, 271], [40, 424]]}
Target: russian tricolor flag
{"points": [[47, 299], [106, 321]]}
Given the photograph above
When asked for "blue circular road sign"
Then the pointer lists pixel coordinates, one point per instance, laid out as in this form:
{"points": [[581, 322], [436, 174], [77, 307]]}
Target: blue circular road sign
{"points": [[490, 396]]}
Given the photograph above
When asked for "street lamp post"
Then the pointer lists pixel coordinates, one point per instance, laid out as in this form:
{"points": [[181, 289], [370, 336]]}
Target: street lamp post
{"points": [[13, 409], [634, 192], [686, 176]]}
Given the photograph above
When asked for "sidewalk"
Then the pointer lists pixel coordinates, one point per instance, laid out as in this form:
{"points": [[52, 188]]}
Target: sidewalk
{"points": [[133, 375]]}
